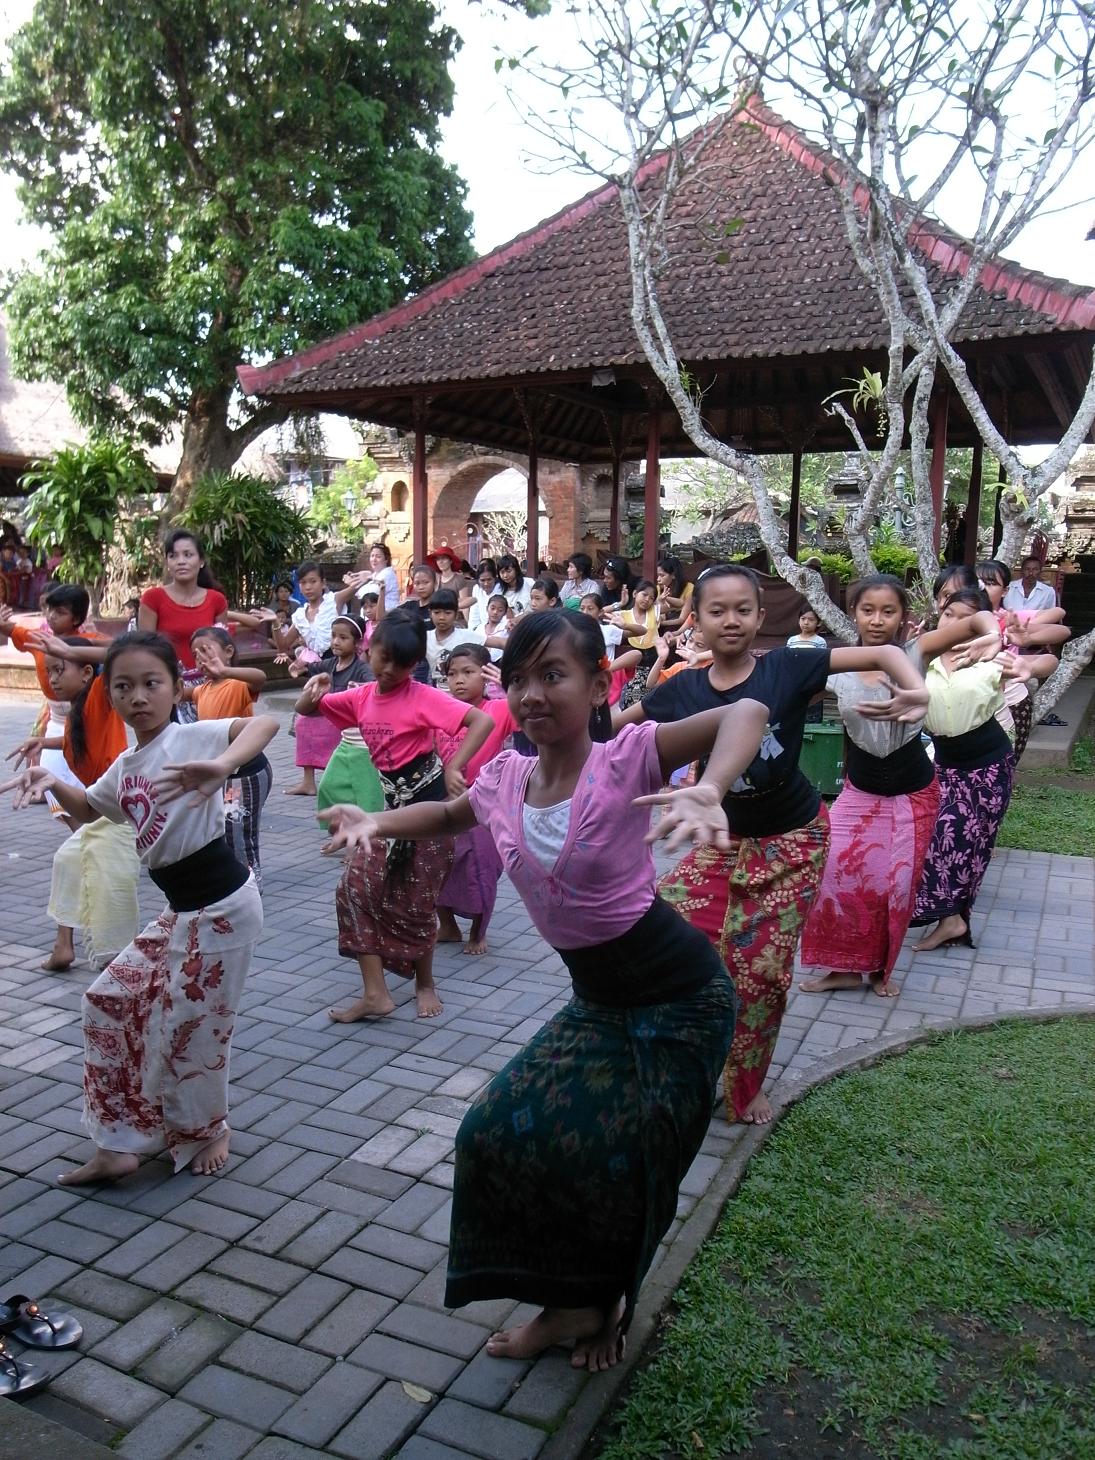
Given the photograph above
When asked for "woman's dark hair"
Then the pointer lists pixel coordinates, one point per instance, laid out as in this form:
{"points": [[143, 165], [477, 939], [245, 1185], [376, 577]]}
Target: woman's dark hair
{"points": [[222, 636], [498, 598], [155, 644], [548, 587], [877, 580], [598, 598], [620, 569], [382, 547], [507, 560], [536, 631], [582, 564], [956, 573], [675, 569], [205, 577], [305, 568], [718, 571], [487, 565], [402, 636], [478, 653], [975, 598], [77, 728], [425, 568], [445, 598], [72, 597], [992, 570]]}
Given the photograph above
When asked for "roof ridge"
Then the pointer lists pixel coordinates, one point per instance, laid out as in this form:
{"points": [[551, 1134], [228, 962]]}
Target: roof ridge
{"points": [[1059, 299]]}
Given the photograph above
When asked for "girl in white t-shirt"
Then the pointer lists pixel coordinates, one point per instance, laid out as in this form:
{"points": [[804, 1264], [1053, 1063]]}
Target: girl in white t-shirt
{"points": [[158, 1020]]}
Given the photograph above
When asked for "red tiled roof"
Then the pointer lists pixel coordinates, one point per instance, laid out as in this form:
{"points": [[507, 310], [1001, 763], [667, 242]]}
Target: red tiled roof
{"points": [[557, 299]]}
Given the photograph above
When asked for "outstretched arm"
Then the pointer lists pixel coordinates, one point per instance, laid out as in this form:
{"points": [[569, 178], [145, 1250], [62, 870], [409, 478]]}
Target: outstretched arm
{"points": [[350, 827]]}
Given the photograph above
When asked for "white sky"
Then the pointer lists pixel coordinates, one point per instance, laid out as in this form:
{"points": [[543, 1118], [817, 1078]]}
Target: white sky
{"points": [[490, 141]]}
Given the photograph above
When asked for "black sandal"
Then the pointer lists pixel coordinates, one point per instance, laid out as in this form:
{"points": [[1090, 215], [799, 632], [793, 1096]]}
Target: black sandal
{"points": [[23, 1319], [18, 1380]]}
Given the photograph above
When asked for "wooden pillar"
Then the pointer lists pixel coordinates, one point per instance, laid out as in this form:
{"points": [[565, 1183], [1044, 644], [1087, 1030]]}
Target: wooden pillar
{"points": [[420, 505], [652, 496], [973, 504], [614, 509], [532, 504], [939, 409], [795, 511]]}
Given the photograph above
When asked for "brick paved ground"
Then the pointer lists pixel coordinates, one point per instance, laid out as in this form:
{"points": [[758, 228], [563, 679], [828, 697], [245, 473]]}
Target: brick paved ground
{"points": [[284, 1308]]}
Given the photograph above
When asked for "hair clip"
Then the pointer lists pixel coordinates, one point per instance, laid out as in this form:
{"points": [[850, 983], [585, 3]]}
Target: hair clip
{"points": [[604, 662]]}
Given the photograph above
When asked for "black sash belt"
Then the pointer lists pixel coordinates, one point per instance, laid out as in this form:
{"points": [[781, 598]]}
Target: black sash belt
{"points": [[659, 959], [908, 769], [208, 875], [978, 747]]}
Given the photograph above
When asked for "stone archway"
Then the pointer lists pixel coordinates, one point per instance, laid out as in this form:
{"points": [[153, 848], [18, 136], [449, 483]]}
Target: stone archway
{"points": [[454, 486]]}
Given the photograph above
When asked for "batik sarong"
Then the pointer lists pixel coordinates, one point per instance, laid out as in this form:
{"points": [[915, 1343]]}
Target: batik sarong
{"points": [[568, 1164], [94, 887], [317, 740], [861, 913], [386, 899], [751, 902], [471, 888], [972, 804], [158, 1028]]}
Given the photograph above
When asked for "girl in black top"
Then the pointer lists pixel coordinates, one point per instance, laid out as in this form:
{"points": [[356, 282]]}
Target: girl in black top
{"points": [[751, 900]]}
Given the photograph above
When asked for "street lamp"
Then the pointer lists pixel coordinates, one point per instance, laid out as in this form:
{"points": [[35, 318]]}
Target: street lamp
{"points": [[349, 497]]}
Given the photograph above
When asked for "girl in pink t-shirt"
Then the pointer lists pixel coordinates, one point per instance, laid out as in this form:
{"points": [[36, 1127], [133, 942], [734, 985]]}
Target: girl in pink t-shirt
{"points": [[387, 897], [472, 885], [568, 1164]]}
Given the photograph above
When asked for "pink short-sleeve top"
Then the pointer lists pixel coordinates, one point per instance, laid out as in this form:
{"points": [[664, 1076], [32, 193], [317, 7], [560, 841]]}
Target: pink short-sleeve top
{"points": [[396, 727], [604, 879]]}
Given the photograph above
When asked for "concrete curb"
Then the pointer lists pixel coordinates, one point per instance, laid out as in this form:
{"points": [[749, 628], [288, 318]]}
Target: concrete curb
{"points": [[29, 1436], [598, 1396]]}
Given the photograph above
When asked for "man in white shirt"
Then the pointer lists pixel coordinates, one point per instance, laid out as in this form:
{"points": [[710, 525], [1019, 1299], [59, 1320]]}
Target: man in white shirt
{"points": [[1029, 592]]}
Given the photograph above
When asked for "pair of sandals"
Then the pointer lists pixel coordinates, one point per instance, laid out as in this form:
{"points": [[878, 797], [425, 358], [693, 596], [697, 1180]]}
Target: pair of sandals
{"points": [[22, 1319]]}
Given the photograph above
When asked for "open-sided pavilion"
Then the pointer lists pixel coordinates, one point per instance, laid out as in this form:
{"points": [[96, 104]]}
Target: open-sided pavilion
{"points": [[531, 347]]}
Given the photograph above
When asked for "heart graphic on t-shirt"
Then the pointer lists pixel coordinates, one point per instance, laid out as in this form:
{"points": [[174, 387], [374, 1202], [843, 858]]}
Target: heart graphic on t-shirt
{"points": [[137, 807]]}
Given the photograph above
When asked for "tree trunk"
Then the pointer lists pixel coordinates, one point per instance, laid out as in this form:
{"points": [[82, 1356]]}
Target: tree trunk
{"points": [[208, 445], [1074, 659]]}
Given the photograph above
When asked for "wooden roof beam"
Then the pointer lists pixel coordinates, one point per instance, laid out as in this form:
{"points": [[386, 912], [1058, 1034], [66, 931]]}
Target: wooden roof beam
{"points": [[1044, 373]]}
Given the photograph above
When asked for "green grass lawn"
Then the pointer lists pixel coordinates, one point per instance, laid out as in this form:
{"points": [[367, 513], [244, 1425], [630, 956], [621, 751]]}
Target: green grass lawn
{"points": [[907, 1272], [1050, 819]]}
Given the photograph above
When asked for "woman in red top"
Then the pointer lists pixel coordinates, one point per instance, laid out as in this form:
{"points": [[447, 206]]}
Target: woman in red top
{"points": [[191, 600]]}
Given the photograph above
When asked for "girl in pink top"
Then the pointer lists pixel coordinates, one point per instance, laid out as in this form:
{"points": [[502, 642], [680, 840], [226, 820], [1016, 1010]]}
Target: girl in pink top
{"points": [[568, 1164], [387, 898]]}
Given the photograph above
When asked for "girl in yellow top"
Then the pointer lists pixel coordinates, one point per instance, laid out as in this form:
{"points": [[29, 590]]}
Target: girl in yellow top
{"points": [[640, 626], [975, 764], [228, 691]]}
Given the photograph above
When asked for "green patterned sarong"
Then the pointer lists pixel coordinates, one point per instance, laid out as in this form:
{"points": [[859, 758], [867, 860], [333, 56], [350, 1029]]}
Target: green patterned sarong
{"points": [[350, 779]]}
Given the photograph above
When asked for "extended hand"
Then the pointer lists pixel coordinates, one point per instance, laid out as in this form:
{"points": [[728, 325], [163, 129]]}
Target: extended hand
{"points": [[350, 827], [29, 752], [317, 687], [202, 777], [1015, 667], [30, 786], [903, 705], [455, 783], [693, 813], [986, 646]]}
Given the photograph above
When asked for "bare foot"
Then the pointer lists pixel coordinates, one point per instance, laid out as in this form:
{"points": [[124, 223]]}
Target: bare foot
{"points": [[829, 981], [103, 1166], [605, 1349], [302, 790], [448, 930], [758, 1111], [428, 1003], [954, 929], [365, 1008], [475, 946], [552, 1326], [212, 1158], [55, 963], [884, 987]]}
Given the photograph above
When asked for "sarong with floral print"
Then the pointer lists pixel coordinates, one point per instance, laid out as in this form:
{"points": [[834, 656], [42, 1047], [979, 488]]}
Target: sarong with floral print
{"points": [[972, 805], [752, 902], [158, 1028]]}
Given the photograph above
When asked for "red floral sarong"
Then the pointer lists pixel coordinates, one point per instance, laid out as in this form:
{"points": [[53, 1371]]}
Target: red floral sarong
{"points": [[861, 914], [751, 902]]}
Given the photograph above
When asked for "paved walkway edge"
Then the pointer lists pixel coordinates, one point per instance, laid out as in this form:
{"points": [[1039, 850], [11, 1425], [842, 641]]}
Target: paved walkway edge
{"points": [[31, 1436], [600, 1394]]}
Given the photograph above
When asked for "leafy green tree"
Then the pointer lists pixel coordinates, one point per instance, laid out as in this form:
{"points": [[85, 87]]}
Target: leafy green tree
{"points": [[79, 504], [248, 531], [224, 180], [328, 510]]}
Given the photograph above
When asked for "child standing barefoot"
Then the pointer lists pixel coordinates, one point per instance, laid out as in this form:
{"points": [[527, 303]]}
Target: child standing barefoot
{"points": [[316, 738], [472, 886], [158, 1021], [386, 901], [568, 1164]]}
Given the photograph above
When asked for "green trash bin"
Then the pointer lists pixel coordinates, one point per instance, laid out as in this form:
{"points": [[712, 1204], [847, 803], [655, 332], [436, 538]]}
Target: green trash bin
{"points": [[822, 758]]}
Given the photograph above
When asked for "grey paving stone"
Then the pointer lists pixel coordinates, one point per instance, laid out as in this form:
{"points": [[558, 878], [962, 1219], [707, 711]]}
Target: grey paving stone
{"points": [[224, 1392], [418, 1447], [277, 1447], [547, 1391], [297, 1314], [238, 1196], [214, 1220], [286, 1364], [315, 1138], [329, 1404], [380, 1426], [267, 1162], [324, 1234], [180, 1358], [331, 1196], [65, 1240], [258, 1270], [112, 1396], [487, 1383], [376, 1179], [221, 1295], [23, 1216], [50, 1406], [115, 1222], [492, 1436], [112, 1296], [398, 1247], [45, 1275], [133, 1255], [434, 1330], [299, 1175], [374, 1273], [223, 1440], [133, 1341], [161, 1433], [391, 1356], [415, 1206], [347, 1324], [187, 1257]]}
